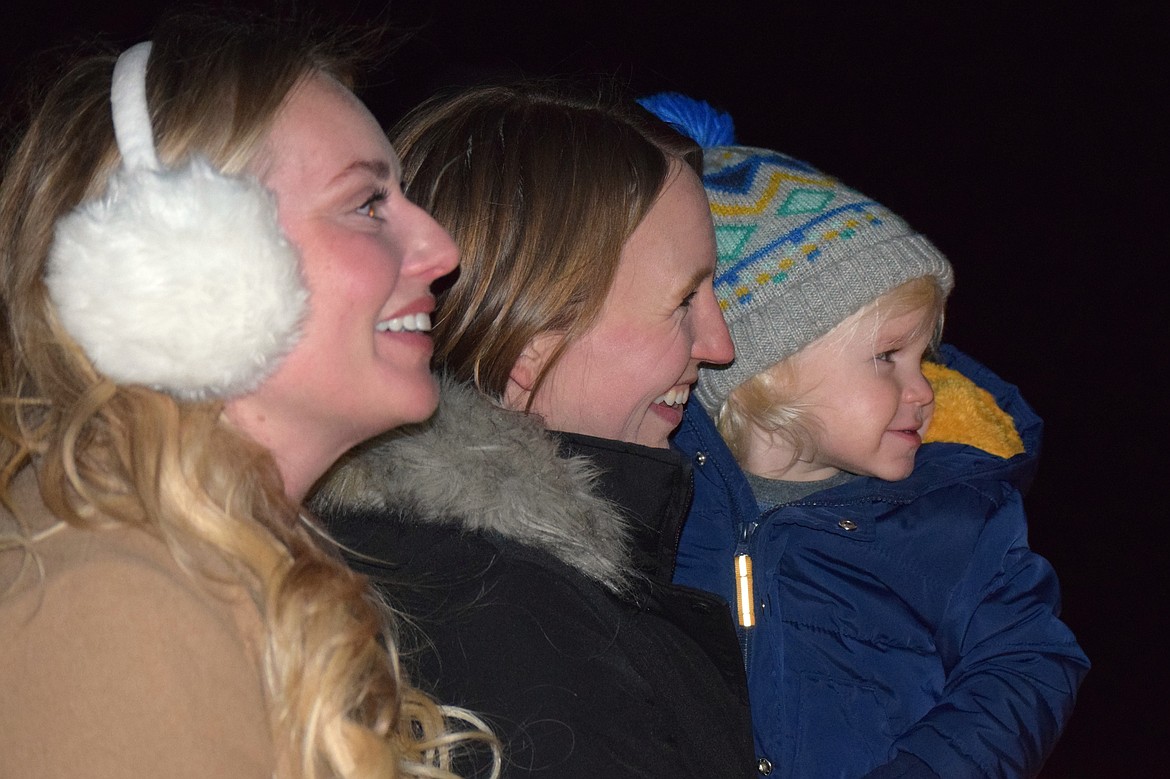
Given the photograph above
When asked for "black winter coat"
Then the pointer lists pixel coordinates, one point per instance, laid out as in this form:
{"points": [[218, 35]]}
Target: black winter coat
{"points": [[536, 573]]}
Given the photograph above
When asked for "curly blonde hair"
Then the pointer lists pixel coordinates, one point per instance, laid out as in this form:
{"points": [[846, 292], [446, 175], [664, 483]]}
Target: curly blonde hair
{"points": [[106, 454]]}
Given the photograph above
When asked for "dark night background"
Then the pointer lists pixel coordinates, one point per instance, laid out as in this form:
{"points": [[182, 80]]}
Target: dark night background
{"points": [[1024, 139]]}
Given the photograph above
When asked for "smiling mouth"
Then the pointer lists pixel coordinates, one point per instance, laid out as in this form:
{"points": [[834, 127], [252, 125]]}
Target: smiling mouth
{"points": [[674, 397], [909, 433], [411, 323]]}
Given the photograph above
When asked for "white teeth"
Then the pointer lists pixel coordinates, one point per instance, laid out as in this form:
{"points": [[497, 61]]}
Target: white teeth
{"points": [[674, 397], [412, 323]]}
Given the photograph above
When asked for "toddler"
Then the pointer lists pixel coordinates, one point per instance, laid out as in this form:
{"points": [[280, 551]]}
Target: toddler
{"points": [[861, 508]]}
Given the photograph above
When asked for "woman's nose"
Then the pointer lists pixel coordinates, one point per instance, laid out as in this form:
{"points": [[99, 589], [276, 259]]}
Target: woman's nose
{"points": [[712, 341]]}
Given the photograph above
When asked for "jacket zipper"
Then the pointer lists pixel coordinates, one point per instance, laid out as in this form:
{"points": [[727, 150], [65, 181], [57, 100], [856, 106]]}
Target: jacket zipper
{"points": [[745, 595]]}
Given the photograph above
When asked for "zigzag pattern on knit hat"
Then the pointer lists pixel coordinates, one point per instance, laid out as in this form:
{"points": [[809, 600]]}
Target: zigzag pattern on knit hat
{"points": [[820, 209], [798, 252]]}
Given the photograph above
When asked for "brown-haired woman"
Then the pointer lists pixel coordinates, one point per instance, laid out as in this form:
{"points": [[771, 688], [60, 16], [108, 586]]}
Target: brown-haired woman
{"points": [[182, 306], [539, 563]]}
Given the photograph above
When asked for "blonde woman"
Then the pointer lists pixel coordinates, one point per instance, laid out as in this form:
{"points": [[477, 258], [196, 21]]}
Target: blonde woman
{"points": [[212, 287]]}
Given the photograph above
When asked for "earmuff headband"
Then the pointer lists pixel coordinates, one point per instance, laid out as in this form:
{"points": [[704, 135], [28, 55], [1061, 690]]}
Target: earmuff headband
{"points": [[178, 279], [132, 127]]}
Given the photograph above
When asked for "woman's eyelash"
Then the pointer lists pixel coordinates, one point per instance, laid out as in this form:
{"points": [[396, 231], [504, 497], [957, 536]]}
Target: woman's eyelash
{"points": [[370, 206], [686, 302]]}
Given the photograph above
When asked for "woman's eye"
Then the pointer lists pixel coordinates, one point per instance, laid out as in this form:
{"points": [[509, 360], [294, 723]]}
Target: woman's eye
{"points": [[370, 207], [686, 302]]}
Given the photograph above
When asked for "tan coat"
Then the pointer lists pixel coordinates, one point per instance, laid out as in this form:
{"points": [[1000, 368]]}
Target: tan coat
{"points": [[119, 664]]}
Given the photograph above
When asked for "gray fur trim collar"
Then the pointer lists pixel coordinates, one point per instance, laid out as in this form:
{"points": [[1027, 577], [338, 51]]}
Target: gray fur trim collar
{"points": [[478, 466]]}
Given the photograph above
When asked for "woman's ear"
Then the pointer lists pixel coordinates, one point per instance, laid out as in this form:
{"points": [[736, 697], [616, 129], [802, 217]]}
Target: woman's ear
{"points": [[528, 368]]}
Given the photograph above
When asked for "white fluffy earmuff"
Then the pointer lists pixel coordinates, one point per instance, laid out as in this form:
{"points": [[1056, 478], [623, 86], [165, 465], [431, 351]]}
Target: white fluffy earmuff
{"points": [[178, 279]]}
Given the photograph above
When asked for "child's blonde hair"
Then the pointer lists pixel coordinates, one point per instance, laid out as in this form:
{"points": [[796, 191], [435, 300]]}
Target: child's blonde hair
{"points": [[769, 401]]}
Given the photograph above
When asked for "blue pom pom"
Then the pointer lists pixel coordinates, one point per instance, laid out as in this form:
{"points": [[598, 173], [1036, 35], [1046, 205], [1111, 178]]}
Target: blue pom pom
{"points": [[693, 118]]}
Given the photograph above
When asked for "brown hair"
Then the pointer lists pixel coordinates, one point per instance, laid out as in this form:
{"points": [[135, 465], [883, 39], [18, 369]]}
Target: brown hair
{"points": [[124, 455], [540, 188]]}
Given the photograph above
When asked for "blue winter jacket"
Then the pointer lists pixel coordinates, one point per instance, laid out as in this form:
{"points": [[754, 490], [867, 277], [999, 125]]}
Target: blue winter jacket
{"points": [[904, 629]]}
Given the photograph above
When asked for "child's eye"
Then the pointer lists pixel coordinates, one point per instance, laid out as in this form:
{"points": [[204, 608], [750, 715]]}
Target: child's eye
{"points": [[886, 356], [370, 207]]}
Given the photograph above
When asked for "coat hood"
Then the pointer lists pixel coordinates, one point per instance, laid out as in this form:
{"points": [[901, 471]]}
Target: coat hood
{"points": [[479, 467]]}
